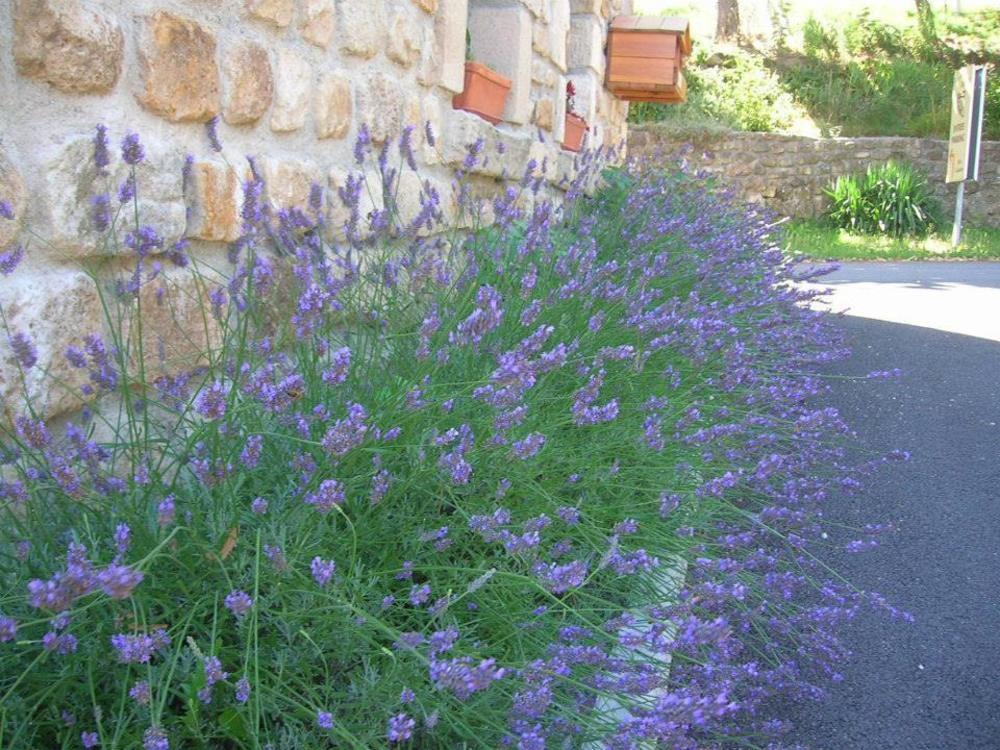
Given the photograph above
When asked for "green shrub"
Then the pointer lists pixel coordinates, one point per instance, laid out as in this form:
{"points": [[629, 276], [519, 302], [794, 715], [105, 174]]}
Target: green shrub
{"points": [[819, 41], [875, 97], [892, 199], [865, 36], [742, 94]]}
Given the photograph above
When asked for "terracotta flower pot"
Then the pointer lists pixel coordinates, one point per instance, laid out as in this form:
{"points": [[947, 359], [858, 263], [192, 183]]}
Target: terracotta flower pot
{"points": [[485, 92], [576, 126]]}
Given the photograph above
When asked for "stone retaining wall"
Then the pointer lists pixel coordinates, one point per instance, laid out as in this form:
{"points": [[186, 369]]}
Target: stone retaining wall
{"points": [[292, 82], [788, 173]]}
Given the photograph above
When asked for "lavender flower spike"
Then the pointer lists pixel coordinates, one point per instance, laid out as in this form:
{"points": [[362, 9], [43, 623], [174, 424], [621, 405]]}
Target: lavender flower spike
{"points": [[132, 150]]}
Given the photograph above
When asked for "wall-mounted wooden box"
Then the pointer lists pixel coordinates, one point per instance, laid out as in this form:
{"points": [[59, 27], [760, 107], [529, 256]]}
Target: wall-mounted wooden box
{"points": [[645, 58]]}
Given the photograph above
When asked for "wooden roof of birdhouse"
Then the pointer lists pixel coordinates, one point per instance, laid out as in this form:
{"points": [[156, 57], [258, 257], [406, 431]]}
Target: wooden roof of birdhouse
{"points": [[662, 24]]}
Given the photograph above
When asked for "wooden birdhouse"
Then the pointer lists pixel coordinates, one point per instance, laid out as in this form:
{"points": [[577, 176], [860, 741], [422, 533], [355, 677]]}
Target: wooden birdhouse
{"points": [[646, 55]]}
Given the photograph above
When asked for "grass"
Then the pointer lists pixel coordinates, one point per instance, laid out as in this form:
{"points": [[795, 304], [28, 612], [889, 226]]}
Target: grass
{"points": [[816, 240]]}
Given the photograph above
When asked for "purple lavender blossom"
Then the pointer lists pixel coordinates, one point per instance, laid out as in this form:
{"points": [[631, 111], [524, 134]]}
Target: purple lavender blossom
{"points": [[242, 690], [126, 192], [118, 581], [380, 486], [155, 738], [250, 455], [400, 728], [102, 156], [165, 511], [24, 349], [140, 693], [211, 402], [328, 496], [460, 677], [238, 602], [213, 671], [407, 696], [324, 720], [347, 433], [561, 578], [6, 211], [132, 150], [340, 365], [322, 570], [89, 739], [137, 649], [259, 506], [362, 143], [100, 211], [123, 538], [485, 318], [406, 147], [276, 555], [420, 594], [8, 629], [59, 643], [529, 446], [11, 259]]}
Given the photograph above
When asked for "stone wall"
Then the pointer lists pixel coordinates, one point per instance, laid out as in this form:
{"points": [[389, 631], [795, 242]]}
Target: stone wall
{"points": [[788, 173], [292, 81]]}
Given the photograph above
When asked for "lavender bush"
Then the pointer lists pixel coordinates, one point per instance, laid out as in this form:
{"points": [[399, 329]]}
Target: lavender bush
{"points": [[441, 501]]}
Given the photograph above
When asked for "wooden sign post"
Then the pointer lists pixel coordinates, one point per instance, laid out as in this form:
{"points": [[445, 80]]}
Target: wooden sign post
{"points": [[967, 105]]}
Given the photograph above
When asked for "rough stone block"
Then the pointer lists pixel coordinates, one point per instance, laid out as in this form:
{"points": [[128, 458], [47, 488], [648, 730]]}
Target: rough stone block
{"points": [[501, 39], [586, 6], [362, 27], [380, 105], [212, 195], [537, 8], [248, 85], [404, 38], [40, 305], [178, 329], [334, 106], [293, 86], [180, 81], [319, 22], [544, 113], [542, 73], [559, 117], [443, 63], [278, 12], [559, 25], [13, 192], [287, 182], [67, 45], [541, 41], [68, 181], [503, 154], [586, 44]]}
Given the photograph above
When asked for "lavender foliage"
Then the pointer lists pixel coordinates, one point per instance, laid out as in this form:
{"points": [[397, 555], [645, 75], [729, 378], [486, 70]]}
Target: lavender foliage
{"points": [[503, 477]]}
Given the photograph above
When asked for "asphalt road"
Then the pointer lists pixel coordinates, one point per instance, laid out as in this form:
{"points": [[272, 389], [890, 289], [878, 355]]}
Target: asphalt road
{"points": [[933, 684]]}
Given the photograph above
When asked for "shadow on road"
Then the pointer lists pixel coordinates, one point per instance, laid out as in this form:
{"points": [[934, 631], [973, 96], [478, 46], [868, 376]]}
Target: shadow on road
{"points": [[933, 684]]}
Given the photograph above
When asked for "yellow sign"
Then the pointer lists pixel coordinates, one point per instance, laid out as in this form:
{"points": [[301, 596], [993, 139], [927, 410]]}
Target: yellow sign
{"points": [[966, 123]]}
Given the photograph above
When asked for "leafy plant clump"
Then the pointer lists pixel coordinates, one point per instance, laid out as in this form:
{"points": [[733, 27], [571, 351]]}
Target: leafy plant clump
{"points": [[892, 199], [741, 93], [548, 482]]}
